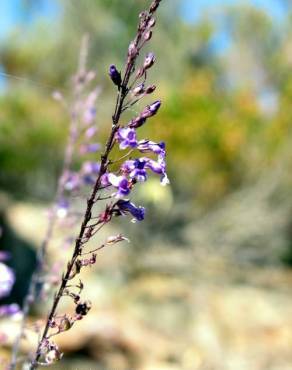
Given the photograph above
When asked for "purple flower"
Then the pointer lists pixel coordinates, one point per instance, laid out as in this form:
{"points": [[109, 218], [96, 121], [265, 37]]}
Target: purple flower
{"points": [[125, 206], [9, 309], [127, 138], [121, 183], [89, 171], [159, 167], [72, 181], [104, 180], [88, 179], [115, 75], [7, 280], [91, 168], [150, 146], [135, 169], [62, 208], [89, 112], [89, 148], [90, 132], [89, 115]]}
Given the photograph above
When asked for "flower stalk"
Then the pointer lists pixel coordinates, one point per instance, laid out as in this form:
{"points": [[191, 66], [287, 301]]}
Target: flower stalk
{"points": [[130, 173]]}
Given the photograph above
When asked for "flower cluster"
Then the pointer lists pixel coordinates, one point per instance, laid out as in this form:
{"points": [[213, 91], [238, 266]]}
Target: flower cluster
{"points": [[135, 170]]}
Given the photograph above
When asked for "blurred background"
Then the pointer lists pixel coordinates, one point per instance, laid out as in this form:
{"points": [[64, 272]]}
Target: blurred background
{"points": [[206, 282]]}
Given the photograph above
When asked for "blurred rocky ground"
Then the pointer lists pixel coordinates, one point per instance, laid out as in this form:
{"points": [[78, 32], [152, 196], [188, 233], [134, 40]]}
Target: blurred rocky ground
{"points": [[174, 307]]}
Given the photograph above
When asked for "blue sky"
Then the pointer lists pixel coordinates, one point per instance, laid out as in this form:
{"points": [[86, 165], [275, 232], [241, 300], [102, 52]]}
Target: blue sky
{"points": [[11, 16], [191, 10]]}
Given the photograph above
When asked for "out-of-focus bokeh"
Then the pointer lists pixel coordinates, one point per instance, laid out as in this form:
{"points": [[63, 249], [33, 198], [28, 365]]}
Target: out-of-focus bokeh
{"points": [[206, 282]]}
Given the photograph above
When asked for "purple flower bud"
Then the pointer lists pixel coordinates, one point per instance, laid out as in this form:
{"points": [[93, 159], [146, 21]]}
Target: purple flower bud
{"points": [[154, 107], [151, 110], [125, 206], [150, 146], [137, 122], [115, 75], [149, 60]]}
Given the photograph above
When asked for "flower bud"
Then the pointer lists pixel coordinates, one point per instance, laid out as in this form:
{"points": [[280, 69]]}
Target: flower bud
{"points": [[151, 110], [138, 90], [115, 75], [150, 89], [137, 122], [149, 60], [142, 15], [152, 22], [148, 35], [140, 72], [154, 5], [132, 50], [154, 107]]}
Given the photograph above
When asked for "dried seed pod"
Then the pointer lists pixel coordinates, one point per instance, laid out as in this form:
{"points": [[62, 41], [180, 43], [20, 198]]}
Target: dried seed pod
{"points": [[65, 324]]}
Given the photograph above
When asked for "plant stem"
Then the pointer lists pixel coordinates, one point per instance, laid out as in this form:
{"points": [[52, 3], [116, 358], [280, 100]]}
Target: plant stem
{"points": [[105, 162]]}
